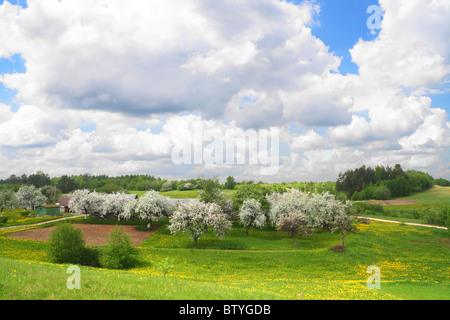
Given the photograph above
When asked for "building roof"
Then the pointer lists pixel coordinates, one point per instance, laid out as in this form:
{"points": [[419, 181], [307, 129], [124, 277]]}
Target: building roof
{"points": [[64, 201], [48, 206]]}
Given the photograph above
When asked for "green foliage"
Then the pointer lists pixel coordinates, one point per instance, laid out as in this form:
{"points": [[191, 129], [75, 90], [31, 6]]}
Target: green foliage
{"points": [[118, 253], [367, 208], [440, 217], [250, 190], [210, 192], [442, 182], [110, 188], [66, 244], [165, 266], [67, 184], [230, 184], [3, 220], [382, 183], [167, 186]]}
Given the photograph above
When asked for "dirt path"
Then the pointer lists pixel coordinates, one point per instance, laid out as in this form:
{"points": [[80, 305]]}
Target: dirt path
{"points": [[408, 223], [393, 202]]}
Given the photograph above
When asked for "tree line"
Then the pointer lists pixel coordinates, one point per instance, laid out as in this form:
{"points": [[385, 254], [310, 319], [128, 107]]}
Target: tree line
{"points": [[382, 183]]}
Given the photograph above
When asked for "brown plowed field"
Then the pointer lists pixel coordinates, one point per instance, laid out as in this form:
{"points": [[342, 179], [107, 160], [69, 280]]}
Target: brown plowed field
{"points": [[94, 234]]}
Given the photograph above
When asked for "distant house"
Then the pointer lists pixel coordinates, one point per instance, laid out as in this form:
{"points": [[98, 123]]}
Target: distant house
{"points": [[63, 203], [47, 210]]}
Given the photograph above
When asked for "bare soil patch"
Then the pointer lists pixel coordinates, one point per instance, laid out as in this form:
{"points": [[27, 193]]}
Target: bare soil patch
{"points": [[94, 234], [393, 202]]}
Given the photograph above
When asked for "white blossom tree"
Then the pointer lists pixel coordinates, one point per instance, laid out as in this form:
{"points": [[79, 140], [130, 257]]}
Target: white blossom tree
{"points": [[296, 223], [86, 202], [129, 209], [251, 215], [153, 206], [29, 197], [288, 202], [308, 211], [114, 204], [194, 218]]}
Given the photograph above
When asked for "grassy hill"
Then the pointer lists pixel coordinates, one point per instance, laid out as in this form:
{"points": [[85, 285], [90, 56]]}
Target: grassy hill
{"points": [[264, 265], [436, 195]]}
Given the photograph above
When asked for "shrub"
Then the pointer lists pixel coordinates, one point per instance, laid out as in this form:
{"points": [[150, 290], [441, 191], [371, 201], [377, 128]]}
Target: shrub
{"points": [[366, 208], [3, 220], [66, 244], [167, 186], [26, 213], [165, 266], [117, 255], [381, 193], [439, 218], [364, 221]]}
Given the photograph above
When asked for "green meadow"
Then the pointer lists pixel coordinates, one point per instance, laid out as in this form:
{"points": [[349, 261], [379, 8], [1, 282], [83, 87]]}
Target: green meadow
{"points": [[414, 264]]}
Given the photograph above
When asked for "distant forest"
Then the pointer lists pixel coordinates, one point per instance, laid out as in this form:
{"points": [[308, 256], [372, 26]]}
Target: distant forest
{"points": [[358, 184], [383, 183]]}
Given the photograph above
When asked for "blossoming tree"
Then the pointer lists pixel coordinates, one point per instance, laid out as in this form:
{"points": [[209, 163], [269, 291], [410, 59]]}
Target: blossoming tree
{"points": [[194, 218], [152, 206], [251, 215], [86, 202]]}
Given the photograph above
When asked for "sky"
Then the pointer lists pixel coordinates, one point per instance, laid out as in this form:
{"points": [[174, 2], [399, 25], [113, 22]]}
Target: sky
{"points": [[113, 88]]}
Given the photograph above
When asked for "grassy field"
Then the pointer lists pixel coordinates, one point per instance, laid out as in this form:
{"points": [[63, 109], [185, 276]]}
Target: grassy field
{"points": [[436, 195], [414, 264], [428, 206], [17, 218]]}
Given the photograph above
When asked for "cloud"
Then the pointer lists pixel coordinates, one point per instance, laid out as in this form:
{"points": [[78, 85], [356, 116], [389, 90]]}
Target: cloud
{"points": [[112, 89], [412, 48], [166, 57]]}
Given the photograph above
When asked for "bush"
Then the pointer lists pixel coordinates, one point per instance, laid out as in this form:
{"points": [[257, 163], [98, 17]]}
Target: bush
{"points": [[167, 186], [3, 220], [26, 213], [66, 244], [381, 193], [368, 208], [117, 254], [439, 218]]}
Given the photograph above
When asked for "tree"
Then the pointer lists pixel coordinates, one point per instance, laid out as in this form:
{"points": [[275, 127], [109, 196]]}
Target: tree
{"points": [[114, 204], [153, 206], [66, 184], [29, 197], [211, 193], [251, 190], [66, 244], [110, 188], [50, 192], [39, 179], [284, 204], [117, 255], [295, 223], [251, 215], [298, 212], [166, 186], [230, 183], [6, 200], [194, 218], [129, 209], [85, 202], [341, 222]]}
